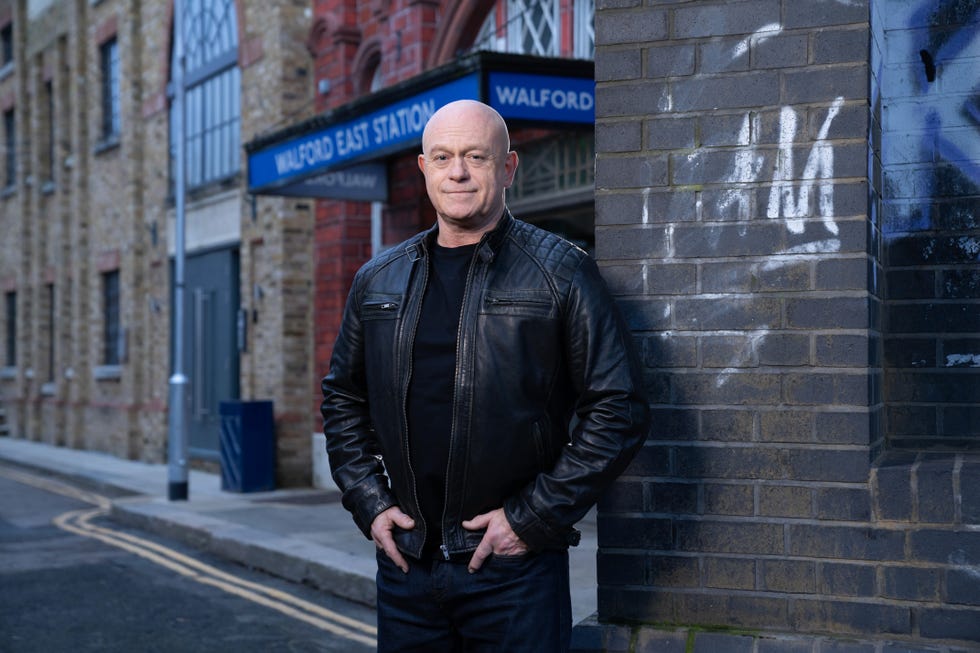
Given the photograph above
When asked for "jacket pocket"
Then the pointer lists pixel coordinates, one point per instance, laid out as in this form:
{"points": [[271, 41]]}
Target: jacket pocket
{"points": [[527, 303], [378, 306]]}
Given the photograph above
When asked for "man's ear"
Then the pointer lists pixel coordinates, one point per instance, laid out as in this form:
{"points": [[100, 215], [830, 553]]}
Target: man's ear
{"points": [[510, 168]]}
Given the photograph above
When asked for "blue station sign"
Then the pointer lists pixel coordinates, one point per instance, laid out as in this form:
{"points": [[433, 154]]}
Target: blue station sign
{"points": [[372, 135], [527, 96], [341, 155]]}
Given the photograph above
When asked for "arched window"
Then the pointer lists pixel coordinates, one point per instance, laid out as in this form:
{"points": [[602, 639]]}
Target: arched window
{"points": [[212, 79], [547, 28]]}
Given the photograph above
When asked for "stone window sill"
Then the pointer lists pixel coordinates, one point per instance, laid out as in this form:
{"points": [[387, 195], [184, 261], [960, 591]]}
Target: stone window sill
{"points": [[107, 372]]}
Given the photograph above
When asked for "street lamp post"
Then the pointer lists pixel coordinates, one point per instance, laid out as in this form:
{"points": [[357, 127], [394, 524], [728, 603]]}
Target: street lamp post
{"points": [[177, 486]]}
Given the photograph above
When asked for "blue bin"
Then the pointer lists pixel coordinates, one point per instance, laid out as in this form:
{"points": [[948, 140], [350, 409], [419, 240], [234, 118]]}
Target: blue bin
{"points": [[248, 446]]}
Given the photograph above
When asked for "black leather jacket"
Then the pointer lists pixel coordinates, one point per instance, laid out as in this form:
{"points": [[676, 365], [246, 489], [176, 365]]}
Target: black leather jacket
{"points": [[540, 341]]}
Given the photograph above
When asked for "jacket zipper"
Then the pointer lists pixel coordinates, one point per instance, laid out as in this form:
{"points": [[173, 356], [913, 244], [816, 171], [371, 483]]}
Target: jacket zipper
{"points": [[506, 301], [452, 431], [381, 306], [405, 386]]}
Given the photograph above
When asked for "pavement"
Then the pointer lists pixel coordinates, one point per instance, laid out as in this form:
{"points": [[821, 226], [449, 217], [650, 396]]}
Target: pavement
{"points": [[300, 534]]}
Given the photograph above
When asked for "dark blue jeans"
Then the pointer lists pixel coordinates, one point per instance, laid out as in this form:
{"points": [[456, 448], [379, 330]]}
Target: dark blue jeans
{"points": [[511, 604]]}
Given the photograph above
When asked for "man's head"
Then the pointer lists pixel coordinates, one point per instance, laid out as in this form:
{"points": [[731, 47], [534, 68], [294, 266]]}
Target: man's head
{"points": [[467, 164]]}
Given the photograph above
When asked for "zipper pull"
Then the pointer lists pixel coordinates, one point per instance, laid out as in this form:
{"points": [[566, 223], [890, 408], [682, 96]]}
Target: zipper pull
{"points": [[445, 551]]}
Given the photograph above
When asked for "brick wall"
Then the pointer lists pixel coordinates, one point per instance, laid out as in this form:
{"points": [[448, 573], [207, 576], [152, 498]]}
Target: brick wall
{"points": [[738, 188], [277, 234], [352, 42], [80, 208], [108, 206]]}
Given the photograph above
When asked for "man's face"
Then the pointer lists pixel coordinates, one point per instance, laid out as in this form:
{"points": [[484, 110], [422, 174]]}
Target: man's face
{"points": [[466, 166]]}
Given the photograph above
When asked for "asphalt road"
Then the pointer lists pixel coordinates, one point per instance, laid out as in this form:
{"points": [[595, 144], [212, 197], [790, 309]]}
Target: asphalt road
{"points": [[72, 580]]}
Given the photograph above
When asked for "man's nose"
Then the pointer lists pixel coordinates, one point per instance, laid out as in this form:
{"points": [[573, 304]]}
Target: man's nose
{"points": [[457, 168]]}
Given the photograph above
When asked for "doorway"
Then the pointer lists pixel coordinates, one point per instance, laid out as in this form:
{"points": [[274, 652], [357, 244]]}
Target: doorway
{"points": [[210, 361]]}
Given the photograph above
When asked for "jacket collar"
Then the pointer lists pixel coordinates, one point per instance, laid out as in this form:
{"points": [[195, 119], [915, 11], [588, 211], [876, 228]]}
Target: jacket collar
{"points": [[487, 249]]}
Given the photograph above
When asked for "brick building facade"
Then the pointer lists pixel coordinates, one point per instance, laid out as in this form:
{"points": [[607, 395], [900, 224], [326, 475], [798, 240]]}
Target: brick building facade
{"points": [[87, 213]]}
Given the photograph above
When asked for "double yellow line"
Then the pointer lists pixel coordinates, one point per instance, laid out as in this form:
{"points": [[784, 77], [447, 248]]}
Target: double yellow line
{"points": [[79, 522]]}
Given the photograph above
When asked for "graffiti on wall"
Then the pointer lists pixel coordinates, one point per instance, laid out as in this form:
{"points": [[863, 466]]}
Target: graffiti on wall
{"points": [[784, 200], [931, 158], [795, 198], [931, 116], [934, 151], [792, 198], [931, 124]]}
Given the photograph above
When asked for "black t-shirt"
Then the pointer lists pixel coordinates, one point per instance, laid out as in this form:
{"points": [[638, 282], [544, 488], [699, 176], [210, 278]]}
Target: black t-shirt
{"points": [[430, 395]]}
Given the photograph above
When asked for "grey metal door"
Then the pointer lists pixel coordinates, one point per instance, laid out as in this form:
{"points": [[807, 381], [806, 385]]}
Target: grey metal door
{"points": [[211, 303]]}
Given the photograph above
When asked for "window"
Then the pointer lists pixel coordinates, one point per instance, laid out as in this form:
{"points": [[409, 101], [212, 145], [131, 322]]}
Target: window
{"points": [[6, 44], [555, 168], [10, 155], [212, 82], [49, 135], [377, 81], [10, 360], [584, 29], [110, 318], [547, 28], [109, 64], [51, 332], [555, 185], [532, 27]]}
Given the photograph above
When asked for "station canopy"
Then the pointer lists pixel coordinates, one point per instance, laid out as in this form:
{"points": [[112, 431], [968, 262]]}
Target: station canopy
{"points": [[341, 153]]}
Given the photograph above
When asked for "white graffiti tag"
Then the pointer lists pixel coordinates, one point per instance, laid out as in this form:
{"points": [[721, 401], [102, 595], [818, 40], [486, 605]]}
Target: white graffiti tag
{"points": [[819, 165], [786, 200]]}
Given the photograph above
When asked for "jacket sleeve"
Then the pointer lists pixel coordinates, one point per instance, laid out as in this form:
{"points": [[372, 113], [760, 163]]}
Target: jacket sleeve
{"points": [[612, 418], [355, 460]]}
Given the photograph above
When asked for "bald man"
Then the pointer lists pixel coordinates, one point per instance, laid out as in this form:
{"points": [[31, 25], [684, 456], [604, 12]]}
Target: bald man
{"points": [[463, 356]]}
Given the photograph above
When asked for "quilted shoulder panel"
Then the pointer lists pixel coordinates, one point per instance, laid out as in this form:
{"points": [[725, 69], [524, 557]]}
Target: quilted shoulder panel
{"points": [[554, 254]]}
